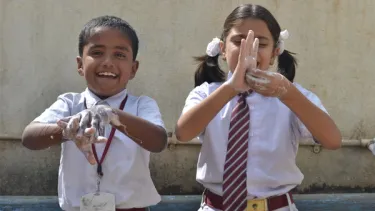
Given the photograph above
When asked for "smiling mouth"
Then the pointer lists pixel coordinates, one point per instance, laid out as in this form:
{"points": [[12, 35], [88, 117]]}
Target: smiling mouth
{"points": [[107, 75]]}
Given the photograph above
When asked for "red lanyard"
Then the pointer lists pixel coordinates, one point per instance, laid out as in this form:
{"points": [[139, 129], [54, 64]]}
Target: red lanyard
{"points": [[109, 141]]}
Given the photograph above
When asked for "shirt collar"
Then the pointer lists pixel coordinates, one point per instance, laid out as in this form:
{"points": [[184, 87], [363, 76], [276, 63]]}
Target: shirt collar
{"points": [[113, 101]]}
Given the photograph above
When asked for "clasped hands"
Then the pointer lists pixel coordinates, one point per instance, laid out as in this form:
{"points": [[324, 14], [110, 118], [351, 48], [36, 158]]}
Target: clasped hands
{"points": [[87, 127], [247, 76]]}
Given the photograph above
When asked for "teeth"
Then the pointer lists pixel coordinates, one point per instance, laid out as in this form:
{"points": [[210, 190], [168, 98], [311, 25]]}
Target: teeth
{"points": [[107, 74]]}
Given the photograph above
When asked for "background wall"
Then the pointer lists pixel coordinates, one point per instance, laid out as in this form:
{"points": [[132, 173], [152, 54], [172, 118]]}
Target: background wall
{"points": [[335, 42]]}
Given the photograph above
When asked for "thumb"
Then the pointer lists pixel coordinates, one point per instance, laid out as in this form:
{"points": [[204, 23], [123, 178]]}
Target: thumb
{"points": [[90, 157], [63, 123]]}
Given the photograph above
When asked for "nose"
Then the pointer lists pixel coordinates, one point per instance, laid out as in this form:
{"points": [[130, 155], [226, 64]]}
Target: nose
{"points": [[108, 62]]}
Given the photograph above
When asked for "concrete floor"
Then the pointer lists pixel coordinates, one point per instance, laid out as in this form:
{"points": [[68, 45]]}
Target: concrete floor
{"points": [[305, 202]]}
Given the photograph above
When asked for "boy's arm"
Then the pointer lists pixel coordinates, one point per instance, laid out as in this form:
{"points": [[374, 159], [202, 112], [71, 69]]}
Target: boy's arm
{"points": [[43, 132], [37, 136], [147, 128]]}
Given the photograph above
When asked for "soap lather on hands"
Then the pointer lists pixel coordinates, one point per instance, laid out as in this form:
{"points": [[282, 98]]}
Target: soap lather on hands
{"points": [[87, 127], [265, 82]]}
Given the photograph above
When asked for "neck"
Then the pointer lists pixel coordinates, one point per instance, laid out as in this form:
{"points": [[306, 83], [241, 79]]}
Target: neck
{"points": [[103, 97]]}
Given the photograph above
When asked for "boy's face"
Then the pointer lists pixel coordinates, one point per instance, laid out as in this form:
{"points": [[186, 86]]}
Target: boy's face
{"points": [[107, 62]]}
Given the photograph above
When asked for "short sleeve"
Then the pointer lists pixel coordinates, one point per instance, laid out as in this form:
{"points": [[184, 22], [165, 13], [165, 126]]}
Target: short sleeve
{"points": [[300, 129], [198, 94], [56, 111], [148, 110]]}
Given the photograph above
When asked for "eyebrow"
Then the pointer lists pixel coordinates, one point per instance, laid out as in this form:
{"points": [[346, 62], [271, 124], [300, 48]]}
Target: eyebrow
{"points": [[124, 48], [244, 37]]}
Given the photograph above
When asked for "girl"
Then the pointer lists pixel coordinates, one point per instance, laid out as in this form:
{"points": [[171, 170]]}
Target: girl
{"points": [[250, 123], [119, 176]]}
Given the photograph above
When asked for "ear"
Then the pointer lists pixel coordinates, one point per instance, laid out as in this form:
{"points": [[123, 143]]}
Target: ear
{"points": [[134, 69], [274, 55], [222, 50], [80, 66]]}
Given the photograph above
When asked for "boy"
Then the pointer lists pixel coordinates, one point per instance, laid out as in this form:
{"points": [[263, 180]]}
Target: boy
{"points": [[117, 174]]}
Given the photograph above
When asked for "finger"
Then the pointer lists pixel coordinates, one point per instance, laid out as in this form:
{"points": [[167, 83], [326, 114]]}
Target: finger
{"points": [[242, 55], [257, 73], [101, 139], [95, 121], [249, 42], [254, 49], [250, 63], [87, 141], [258, 88], [63, 123], [66, 119], [87, 151], [84, 123], [104, 113], [90, 134], [251, 79], [101, 129], [90, 157], [73, 125]]}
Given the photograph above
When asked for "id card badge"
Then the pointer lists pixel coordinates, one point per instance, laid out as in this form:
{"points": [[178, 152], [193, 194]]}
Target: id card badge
{"points": [[98, 201]]}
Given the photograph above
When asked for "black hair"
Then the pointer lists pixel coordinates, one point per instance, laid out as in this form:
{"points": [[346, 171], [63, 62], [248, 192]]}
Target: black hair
{"points": [[209, 71], [110, 22]]}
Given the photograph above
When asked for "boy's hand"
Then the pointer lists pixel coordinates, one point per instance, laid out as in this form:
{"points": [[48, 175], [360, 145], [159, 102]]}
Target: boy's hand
{"points": [[87, 127]]}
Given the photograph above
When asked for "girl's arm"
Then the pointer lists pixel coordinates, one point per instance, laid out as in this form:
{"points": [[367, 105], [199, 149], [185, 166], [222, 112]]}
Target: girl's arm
{"points": [[319, 123], [195, 120]]}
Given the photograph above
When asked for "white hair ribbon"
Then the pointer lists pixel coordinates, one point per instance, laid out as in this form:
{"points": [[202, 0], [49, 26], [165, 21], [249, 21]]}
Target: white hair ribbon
{"points": [[213, 48], [281, 44]]}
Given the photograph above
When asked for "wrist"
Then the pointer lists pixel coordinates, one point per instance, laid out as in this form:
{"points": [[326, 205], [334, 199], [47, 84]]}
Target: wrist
{"points": [[290, 96], [114, 118], [229, 89], [58, 134]]}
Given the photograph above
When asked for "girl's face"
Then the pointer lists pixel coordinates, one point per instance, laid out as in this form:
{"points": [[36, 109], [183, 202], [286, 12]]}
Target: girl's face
{"points": [[231, 48]]}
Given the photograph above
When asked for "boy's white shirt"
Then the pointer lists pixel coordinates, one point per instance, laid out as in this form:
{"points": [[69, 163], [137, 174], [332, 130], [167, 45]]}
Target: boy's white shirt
{"points": [[126, 165], [274, 136]]}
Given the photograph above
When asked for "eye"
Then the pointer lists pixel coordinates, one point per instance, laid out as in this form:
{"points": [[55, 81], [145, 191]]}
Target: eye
{"points": [[120, 55], [237, 42], [96, 53], [263, 45]]}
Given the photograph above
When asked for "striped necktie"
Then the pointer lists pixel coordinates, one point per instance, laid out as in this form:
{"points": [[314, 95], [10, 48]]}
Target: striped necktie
{"points": [[234, 178]]}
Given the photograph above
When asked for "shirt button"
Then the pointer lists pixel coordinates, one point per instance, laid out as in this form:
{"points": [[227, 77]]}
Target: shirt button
{"points": [[251, 107]]}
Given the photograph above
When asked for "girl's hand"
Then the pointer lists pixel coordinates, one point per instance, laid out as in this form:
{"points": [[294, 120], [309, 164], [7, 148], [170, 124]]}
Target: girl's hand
{"points": [[247, 59], [268, 83]]}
